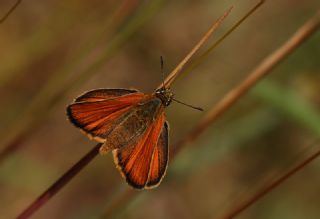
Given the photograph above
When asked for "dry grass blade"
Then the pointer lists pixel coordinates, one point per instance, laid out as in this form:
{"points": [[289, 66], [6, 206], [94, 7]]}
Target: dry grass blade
{"points": [[173, 75], [60, 183], [10, 11], [199, 59], [260, 194]]}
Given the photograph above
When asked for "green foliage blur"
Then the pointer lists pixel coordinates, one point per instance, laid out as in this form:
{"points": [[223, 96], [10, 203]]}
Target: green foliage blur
{"points": [[52, 51]]}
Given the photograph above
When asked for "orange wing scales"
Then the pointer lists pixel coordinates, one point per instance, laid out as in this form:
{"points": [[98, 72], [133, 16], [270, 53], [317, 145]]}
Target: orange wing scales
{"points": [[143, 164]]}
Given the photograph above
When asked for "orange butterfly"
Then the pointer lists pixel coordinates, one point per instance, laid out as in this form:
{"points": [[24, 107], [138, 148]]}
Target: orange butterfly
{"points": [[130, 123]]}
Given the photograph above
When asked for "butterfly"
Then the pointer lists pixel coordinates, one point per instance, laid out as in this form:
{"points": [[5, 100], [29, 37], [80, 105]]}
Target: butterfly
{"points": [[131, 124]]}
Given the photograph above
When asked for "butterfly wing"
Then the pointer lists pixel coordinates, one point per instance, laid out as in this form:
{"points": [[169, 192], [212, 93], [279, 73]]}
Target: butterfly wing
{"points": [[103, 94], [143, 163], [96, 112]]}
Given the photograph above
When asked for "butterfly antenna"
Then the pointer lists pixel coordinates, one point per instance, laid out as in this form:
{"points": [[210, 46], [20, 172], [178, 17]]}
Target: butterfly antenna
{"points": [[162, 67], [193, 107]]}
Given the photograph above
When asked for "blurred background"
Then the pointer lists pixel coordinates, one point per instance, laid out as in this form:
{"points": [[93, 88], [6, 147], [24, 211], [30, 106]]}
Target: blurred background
{"points": [[52, 51]]}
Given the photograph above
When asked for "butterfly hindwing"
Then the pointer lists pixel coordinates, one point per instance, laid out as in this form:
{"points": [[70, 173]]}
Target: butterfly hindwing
{"points": [[143, 164], [159, 159]]}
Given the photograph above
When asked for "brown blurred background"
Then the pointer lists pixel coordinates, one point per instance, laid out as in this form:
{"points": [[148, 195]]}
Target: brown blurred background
{"points": [[52, 51]]}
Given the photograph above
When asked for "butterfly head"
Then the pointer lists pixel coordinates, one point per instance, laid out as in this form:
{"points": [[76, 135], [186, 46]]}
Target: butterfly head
{"points": [[165, 95]]}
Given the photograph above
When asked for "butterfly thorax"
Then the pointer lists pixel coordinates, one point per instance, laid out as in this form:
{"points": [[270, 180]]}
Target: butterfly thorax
{"points": [[165, 95]]}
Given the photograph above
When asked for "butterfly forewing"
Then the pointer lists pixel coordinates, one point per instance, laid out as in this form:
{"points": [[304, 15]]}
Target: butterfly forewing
{"points": [[96, 112], [103, 94]]}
